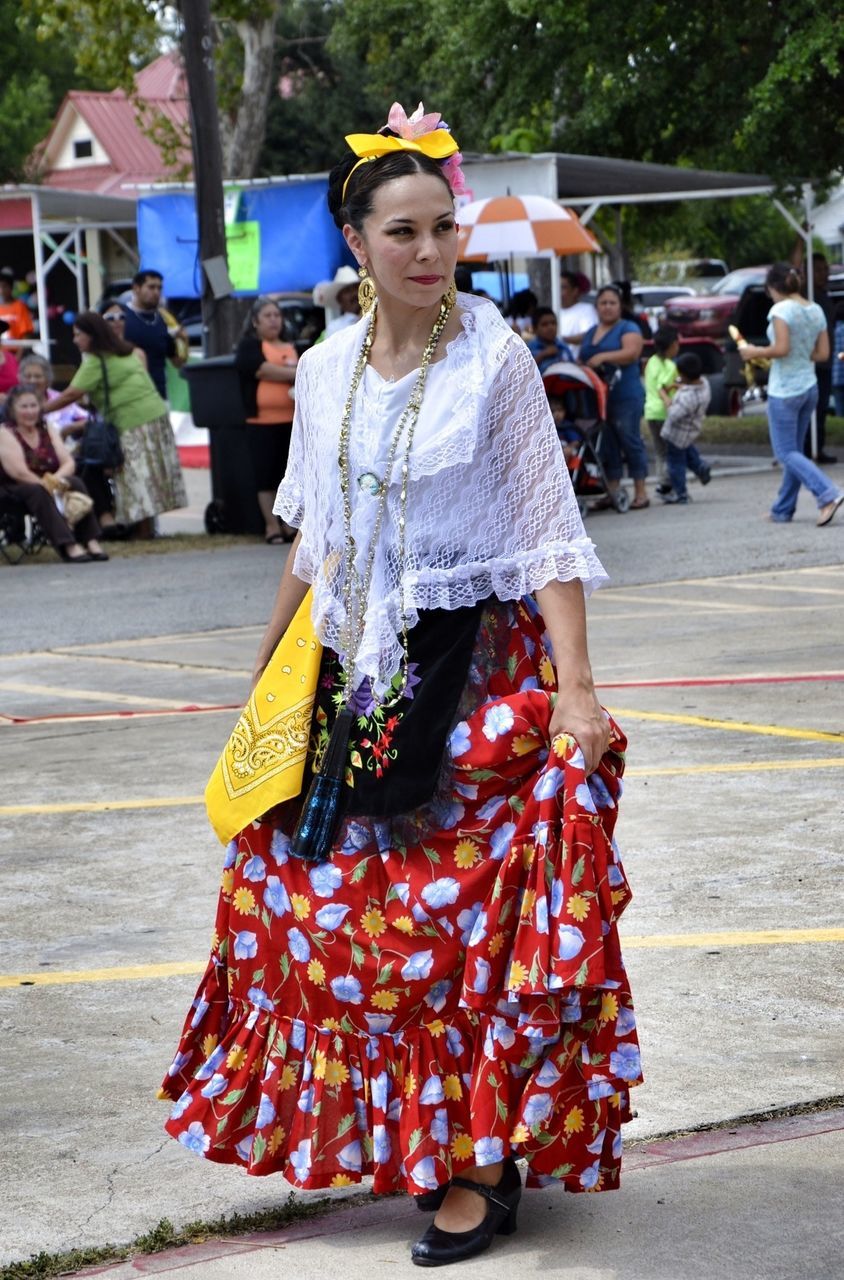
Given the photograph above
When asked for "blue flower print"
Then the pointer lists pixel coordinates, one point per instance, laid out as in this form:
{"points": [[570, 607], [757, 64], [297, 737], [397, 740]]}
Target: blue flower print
{"points": [[402, 892], [260, 998], [297, 1034], [217, 1084], [356, 1077], [382, 1148], [231, 854], [350, 1156], [180, 1060], [466, 922], [617, 1144], [597, 1145], [541, 914], [432, 1091], [488, 1151], [547, 1075], [454, 1040], [200, 1008], [460, 740], [301, 1160], [266, 1112], [298, 945], [539, 831], [378, 1024], [325, 878], [424, 1173], [488, 811], [417, 966], [500, 840], [537, 1108], [625, 1022], [438, 994], [332, 915], [599, 792], [529, 682], [244, 1148], [305, 1101], [420, 915], [571, 1009], [548, 784], [355, 839], [482, 972], [583, 797], [211, 1064], [626, 1063], [180, 1106], [468, 790], [498, 719], [275, 896], [255, 869], [280, 847], [195, 1138], [347, 989], [614, 876], [478, 930], [601, 1087], [372, 1050], [557, 891], [571, 941], [498, 1031], [439, 1126], [394, 1110], [446, 813], [590, 1176], [576, 759], [381, 1087]]}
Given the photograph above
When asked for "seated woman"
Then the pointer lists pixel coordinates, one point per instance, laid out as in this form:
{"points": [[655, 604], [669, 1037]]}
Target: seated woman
{"points": [[37, 373], [35, 466], [150, 480]]}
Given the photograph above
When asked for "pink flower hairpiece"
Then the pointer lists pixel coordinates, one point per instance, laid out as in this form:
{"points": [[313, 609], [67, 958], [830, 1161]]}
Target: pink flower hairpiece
{"points": [[416, 126]]}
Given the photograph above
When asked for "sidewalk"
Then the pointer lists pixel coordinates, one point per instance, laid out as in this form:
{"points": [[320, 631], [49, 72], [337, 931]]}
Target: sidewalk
{"points": [[758, 1202]]}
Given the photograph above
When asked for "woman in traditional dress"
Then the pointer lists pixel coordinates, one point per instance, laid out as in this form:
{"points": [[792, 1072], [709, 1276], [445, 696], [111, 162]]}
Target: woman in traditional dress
{"points": [[444, 993]]}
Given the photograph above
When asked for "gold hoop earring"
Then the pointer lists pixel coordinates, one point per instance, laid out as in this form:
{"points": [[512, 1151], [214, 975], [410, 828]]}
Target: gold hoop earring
{"points": [[450, 295], [367, 297]]}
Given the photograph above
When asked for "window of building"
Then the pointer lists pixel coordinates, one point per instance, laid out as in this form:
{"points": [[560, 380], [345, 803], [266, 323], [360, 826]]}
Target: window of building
{"points": [[83, 148]]}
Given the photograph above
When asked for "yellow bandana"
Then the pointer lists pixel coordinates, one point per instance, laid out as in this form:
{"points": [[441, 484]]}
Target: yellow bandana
{"points": [[438, 144]]}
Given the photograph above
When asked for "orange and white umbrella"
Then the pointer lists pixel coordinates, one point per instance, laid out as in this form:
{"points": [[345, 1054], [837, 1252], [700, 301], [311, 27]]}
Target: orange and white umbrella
{"points": [[520, 226]]}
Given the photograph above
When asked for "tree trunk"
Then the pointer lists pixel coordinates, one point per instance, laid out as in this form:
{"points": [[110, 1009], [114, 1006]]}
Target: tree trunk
{"points": [[243, 136]]}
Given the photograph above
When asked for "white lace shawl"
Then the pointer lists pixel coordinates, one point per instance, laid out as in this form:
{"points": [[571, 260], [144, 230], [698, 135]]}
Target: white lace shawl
{"points": [[490, 508]]}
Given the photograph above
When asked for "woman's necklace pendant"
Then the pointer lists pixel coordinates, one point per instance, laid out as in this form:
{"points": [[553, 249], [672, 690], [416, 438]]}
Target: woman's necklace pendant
{"points": [[369, 483]]}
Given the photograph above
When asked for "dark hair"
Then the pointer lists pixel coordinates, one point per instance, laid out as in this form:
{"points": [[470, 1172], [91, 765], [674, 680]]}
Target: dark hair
{"points": [[104, 340], [148, 273], [12, 398], [522, 303], [356, 206], [542, 311], [665, 337], [109, 305], [575, 279], [610, 288], [689, 366], [783, 277]]}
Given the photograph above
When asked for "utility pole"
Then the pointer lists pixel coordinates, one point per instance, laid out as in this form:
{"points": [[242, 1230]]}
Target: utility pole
{"points": [[220, 312]]}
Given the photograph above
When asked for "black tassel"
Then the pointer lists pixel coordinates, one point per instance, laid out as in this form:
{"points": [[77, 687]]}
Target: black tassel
{"points": [[320, 816]]}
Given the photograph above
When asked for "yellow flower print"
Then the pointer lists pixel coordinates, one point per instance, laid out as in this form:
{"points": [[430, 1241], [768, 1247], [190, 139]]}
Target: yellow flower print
{"points": [[436, 1028], [466, 854], [227, 882], [528, 855], [609, 1007], [496, 942], [453, 1087], [341, 1180], [331, 1024], [209, 1044], [385, 1000], [215, 940], [518, 975], [276, 1138], [462, 1146], [301, 906], [287, 1078], [561, 744], [615, 1100], [236, 1058], [336, 1072], [546, 672], [244, 901], [316, 972], [319, 1065], [521, 1133], [523, 744], [527, 903], [258, 1065], [574, 1121], [405, 924], [410, 1085], [373, 923], [578, 906], [618, 895]]}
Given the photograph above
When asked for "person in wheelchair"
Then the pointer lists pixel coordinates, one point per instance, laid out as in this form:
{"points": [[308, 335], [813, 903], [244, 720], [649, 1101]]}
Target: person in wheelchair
{"points": [[37, 475]]}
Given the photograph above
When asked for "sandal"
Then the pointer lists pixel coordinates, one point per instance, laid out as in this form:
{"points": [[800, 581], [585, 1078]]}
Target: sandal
{"points": [[639, 504], [827, 514], [275, 539]]}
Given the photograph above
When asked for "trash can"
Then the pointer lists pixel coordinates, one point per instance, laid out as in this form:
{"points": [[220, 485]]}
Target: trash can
{"points": [[216, 403]]}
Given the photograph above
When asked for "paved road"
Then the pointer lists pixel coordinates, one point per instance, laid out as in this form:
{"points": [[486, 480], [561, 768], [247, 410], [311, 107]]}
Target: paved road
{"points": [[719, 650]]}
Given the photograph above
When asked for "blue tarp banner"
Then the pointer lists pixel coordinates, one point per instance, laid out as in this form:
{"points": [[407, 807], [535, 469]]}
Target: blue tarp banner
{"points": [[279, 238]]}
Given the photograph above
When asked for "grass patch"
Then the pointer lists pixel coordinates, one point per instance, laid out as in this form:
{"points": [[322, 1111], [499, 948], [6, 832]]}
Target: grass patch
{"points": [[166, 1236], [755, 431]]}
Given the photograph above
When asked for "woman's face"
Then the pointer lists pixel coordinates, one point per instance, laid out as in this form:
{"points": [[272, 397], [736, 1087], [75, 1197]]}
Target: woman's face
{"points": [[268, 322], [26, 410], [609, 307], [34, 376], [82, 341], [115, 318], [409, 241]]}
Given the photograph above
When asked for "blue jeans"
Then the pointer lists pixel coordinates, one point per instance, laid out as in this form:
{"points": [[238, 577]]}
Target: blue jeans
{"points": [[838, 397], [681, 460], [626, 439], [788, 422]]}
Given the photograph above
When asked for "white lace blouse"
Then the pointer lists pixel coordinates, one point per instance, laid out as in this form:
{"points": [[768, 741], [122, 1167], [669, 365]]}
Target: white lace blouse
{"points": [[490, 508]]}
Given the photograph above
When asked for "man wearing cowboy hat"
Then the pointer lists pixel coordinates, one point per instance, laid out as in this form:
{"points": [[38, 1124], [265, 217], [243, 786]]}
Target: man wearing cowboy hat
{"points": [[340, 297]]}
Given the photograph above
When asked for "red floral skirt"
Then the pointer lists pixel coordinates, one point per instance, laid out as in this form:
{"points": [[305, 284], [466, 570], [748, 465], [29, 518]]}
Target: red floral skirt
{"points": [[448, 989]]}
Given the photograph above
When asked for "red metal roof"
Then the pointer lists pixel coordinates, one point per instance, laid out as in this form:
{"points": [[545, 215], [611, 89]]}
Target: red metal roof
{"points": [[164, 78]]}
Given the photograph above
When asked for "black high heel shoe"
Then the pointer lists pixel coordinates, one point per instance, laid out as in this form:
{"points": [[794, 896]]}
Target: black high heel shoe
{"points": [[430, 1201], [438, 1248]]}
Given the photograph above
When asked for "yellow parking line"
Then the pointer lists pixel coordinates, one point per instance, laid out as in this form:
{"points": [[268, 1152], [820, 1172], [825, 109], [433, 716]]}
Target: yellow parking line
{"points": [[735, 726], [147, 664], [94, 695], [642, 942]]}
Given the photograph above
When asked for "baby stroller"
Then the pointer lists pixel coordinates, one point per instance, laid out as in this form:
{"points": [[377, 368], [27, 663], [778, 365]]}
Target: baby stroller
{"points": [[581, 424]]}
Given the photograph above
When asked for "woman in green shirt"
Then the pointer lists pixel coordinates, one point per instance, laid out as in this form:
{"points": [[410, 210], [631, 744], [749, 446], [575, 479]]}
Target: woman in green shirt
{"points": [[150, 480], [660, 382]]}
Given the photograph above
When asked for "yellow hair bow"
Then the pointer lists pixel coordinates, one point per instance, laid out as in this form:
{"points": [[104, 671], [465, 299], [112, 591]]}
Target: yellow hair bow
{"points": [[438, 145]]}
